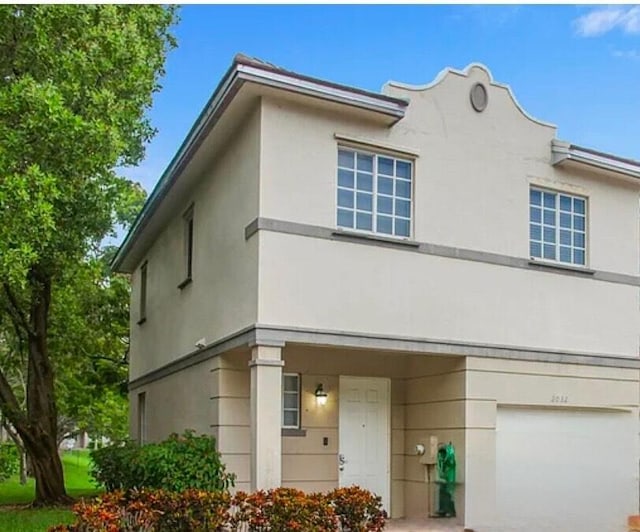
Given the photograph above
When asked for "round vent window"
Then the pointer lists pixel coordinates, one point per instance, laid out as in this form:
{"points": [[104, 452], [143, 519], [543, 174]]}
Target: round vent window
{"points": [[479, 97]]}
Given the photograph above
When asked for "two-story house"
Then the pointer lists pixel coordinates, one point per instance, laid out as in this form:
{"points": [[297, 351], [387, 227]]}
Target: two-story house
{"points": [[325, 278]]}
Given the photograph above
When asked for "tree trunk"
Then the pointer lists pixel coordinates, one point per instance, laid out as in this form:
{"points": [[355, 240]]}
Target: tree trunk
{"points": [[41, 406], [47, 470], [38, 428]]}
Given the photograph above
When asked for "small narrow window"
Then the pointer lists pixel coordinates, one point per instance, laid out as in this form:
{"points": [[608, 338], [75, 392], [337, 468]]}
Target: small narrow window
{"points": [[142, 417], [290, 401], [188, 246], [143, 293]]}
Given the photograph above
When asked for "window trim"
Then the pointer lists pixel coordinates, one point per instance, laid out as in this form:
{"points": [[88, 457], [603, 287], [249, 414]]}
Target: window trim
{"points": [[188, 231], [557, 262], [376, 152], [142, 309], [299, 403]]}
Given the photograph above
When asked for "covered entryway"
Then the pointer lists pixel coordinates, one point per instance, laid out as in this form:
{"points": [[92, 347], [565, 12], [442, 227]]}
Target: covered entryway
{"points": [[564, 469], [364, 434]]}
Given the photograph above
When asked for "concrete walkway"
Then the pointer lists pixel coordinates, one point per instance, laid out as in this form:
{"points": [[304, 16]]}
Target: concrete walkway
{"points": [[422, 525]]}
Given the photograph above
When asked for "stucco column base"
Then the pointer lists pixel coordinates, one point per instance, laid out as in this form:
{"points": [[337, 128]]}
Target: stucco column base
{"points": [[266, 413]]}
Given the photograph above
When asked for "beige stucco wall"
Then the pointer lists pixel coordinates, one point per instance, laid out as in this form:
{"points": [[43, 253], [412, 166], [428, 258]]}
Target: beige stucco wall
{"points": [[177, 402], [472, 179], [434, 406], [472, 171], [231, 424], [330, 285], [222, 298]]}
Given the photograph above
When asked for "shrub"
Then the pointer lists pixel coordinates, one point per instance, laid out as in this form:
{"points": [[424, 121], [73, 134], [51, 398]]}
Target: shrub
{"points": [[151, 511], [282, 510], [278, 510], [359, 510], [9, 460], [116, 466], [179, 463]]}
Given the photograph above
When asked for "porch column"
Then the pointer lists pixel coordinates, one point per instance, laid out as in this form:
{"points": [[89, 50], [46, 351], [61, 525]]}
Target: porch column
{"points": [[266, 416]]}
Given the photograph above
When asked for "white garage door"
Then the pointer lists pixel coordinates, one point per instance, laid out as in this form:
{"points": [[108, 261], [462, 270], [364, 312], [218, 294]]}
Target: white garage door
{"points": [[566, 471]]}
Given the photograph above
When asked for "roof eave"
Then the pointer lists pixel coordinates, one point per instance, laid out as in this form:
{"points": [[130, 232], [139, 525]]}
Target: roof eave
{"points": [[242, 71], [563, 152]]}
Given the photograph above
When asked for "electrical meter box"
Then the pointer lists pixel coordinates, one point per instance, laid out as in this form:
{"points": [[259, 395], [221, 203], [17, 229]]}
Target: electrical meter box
{"points": [[430, 457]]}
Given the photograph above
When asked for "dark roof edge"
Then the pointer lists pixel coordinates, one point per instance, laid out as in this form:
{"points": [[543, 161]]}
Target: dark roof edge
{"points": [[243, 59], [225, 90], [606, 155]]}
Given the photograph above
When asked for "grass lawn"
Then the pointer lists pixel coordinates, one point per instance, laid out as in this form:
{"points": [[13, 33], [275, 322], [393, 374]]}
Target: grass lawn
{"points": [[77, 480]]}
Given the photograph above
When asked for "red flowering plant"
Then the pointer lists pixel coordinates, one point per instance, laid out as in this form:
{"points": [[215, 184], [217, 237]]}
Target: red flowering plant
{"points": [[151, 511], [282, 510], [278, 510], [110, 513], [357, 509]]}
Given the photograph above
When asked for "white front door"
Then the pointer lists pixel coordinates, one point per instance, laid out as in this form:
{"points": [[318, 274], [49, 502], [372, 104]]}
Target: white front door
{"points": [[364, 435]]}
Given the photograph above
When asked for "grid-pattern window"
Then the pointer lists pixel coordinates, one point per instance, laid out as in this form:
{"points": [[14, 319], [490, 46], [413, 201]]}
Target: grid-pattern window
{"points": [[291, 401], [374, 192], [557, 226]]}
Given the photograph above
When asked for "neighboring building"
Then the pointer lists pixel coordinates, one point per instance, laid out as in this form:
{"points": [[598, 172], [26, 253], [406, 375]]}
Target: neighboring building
{"points": [[433, 259]]}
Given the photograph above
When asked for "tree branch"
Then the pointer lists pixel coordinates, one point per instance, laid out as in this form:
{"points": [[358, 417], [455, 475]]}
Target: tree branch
{"points": [[15, 310], [114, 361], [13, 434], [10, 406]]}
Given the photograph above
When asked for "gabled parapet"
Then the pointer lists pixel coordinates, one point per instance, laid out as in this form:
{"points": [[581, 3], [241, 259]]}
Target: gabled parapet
{"points": [[472, 70]]}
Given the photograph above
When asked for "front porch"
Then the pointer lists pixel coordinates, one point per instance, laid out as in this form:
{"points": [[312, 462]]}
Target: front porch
{"points": [[425, 399]]}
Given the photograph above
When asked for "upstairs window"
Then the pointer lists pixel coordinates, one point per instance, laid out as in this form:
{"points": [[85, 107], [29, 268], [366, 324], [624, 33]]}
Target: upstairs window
{"points": [[557, 226], [374, 193]]}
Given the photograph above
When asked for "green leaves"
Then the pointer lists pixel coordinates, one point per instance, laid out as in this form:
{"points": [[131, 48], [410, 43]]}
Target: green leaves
{"points": [[76, 82], [176, 464], [75, 85], [9, 460]]}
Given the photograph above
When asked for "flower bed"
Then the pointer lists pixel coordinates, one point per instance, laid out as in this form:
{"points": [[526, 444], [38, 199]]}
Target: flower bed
{"points": [[280, 510]]}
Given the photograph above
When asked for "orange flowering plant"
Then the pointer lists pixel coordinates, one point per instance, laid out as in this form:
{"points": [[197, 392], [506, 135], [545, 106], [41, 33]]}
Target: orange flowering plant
{"points": [[278, 510]]}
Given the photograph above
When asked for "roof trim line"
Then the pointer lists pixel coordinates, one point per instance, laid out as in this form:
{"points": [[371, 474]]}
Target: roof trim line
{"points": [[563, 151], [246, 69]]}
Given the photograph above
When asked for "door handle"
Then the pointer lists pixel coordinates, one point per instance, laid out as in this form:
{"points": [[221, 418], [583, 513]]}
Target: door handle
{"points": [[341, 459]]}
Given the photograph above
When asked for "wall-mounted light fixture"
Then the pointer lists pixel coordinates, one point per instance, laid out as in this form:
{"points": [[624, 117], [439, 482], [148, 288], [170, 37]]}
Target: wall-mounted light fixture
{"points": [[321, 395]]}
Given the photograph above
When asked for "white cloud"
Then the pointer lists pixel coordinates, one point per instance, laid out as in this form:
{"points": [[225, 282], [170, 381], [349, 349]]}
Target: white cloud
{"points": [[627, 54], [605, 19]]}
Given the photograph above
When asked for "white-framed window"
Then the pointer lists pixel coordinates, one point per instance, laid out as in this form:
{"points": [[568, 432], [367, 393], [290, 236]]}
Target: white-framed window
{"points": [[557, 226], [374, 192], [290, 400]]}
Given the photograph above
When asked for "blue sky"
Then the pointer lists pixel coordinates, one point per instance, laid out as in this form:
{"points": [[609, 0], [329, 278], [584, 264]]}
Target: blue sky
{"points": [[575, 66]]}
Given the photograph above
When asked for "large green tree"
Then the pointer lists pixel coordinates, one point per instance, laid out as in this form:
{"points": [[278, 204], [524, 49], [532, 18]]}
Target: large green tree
{"points": [[75, 85], [89, 338]]}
